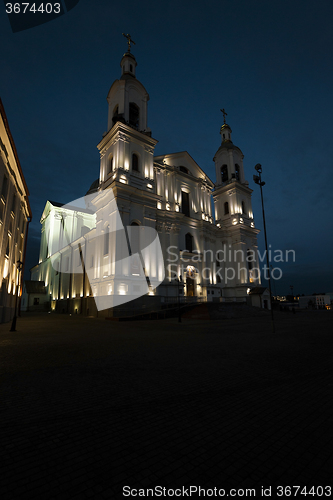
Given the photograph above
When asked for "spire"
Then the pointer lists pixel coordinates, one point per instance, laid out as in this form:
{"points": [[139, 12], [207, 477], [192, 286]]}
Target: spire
{"points": [[225, 129], [128, 62]]}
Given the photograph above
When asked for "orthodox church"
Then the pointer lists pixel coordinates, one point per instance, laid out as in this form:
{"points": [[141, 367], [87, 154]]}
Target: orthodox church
{"points": [[206, 253]]}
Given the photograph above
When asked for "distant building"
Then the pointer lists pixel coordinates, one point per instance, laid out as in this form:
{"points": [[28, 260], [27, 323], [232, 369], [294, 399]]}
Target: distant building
{"points": [[214, 252], [314, 301], [34, 296], [15, 213], [259, 297]]}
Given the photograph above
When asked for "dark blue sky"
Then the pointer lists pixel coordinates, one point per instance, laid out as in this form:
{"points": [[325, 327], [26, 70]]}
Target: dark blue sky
{"points": [[269, 64]]}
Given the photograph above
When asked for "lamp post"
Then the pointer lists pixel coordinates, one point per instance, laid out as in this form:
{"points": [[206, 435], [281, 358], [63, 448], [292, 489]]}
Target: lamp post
{"points": [[19, 266], [257, 180], [179, 280]]}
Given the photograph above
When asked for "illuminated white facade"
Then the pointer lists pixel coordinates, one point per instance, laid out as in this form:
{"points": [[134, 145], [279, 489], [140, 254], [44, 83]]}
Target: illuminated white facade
{"points": [[169, 193], [15, 213]]}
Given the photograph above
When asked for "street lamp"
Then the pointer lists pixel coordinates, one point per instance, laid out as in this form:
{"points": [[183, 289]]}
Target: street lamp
{"points": [[257, 180], [179, 281], [19, 266]]}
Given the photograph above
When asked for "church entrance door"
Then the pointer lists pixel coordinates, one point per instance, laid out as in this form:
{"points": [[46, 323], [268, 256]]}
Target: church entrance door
{"points": [[190, 289]]}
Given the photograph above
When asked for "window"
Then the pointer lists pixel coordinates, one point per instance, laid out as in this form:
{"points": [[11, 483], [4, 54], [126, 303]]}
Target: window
{"points": [[186, 204], [250, 258], [110, 164], [135, 162], [7, 248], [237, 172], [183, 169], [224, 173], [189, 242], [36, 301], [226, 208], [4, 187], [131, 68], [134, 115], [106, 240], [243, 208]]}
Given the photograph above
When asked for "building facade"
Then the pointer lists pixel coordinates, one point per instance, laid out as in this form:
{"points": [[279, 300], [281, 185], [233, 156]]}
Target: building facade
{"points": [[206, 230], [15, 213]]}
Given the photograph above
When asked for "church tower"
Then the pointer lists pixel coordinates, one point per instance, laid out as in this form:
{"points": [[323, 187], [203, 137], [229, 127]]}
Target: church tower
{"points": [[233, 213], [127, 147]]}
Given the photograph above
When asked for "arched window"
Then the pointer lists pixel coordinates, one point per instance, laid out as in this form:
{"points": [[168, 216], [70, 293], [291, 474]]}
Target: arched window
{"points": [[183, 169], [131, 68], [134, 115], [224, 173], [189, 242], [106, 240], [226, 208], [237, 172], [243, 208], [250, 257], [186, 203], [110, 164], [135, 162]]}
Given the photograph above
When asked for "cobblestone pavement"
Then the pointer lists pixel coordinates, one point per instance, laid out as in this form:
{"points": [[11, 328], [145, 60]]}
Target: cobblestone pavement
{"points": [[89, 406]]}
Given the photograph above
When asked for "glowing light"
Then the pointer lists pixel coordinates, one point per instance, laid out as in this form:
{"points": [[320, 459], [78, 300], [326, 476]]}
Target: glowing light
{"points": [[123, 179], [252, 224], [177, 207], [159, 205], [149, 186], [122, 289], [234, 222], [241, 220], [203, 216], [218, 225], [167, 206], [248, 291]]}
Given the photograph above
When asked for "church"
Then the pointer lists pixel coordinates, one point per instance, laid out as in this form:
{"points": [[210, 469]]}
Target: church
{"points": [[92, 255]]}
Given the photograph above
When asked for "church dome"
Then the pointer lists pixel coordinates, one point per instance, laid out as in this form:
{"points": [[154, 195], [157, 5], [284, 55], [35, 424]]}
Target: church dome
{"points": [[93, 188]]}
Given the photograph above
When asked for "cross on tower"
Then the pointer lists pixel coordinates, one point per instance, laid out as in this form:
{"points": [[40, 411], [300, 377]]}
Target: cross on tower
{"points": [[129, 41], [224, 114]]}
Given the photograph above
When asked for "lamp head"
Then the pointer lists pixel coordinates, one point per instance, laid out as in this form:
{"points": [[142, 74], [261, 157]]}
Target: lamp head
{"points": [[258, 168], [256, 179]]}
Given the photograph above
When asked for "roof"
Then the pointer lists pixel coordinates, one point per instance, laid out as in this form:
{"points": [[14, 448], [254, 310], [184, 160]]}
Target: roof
{"points": [[228, 145], [185, 153], [35, 287], [258, 290]]}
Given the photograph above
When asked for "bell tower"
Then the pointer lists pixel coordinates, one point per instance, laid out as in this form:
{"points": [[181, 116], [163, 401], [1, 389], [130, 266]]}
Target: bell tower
{"points": [[233, 209], [127, 147]]}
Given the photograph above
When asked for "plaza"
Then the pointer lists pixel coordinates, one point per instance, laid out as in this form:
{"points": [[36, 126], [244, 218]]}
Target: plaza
{"points": [[90, 406]]}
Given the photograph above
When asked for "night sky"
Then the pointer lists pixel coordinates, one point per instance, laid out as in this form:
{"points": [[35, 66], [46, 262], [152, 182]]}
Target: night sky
{"points": [[269, 64]]}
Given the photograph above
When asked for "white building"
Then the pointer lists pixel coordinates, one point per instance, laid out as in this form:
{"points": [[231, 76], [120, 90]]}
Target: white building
{"points": [[208, 253], [15, 213], [314, 301]]}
